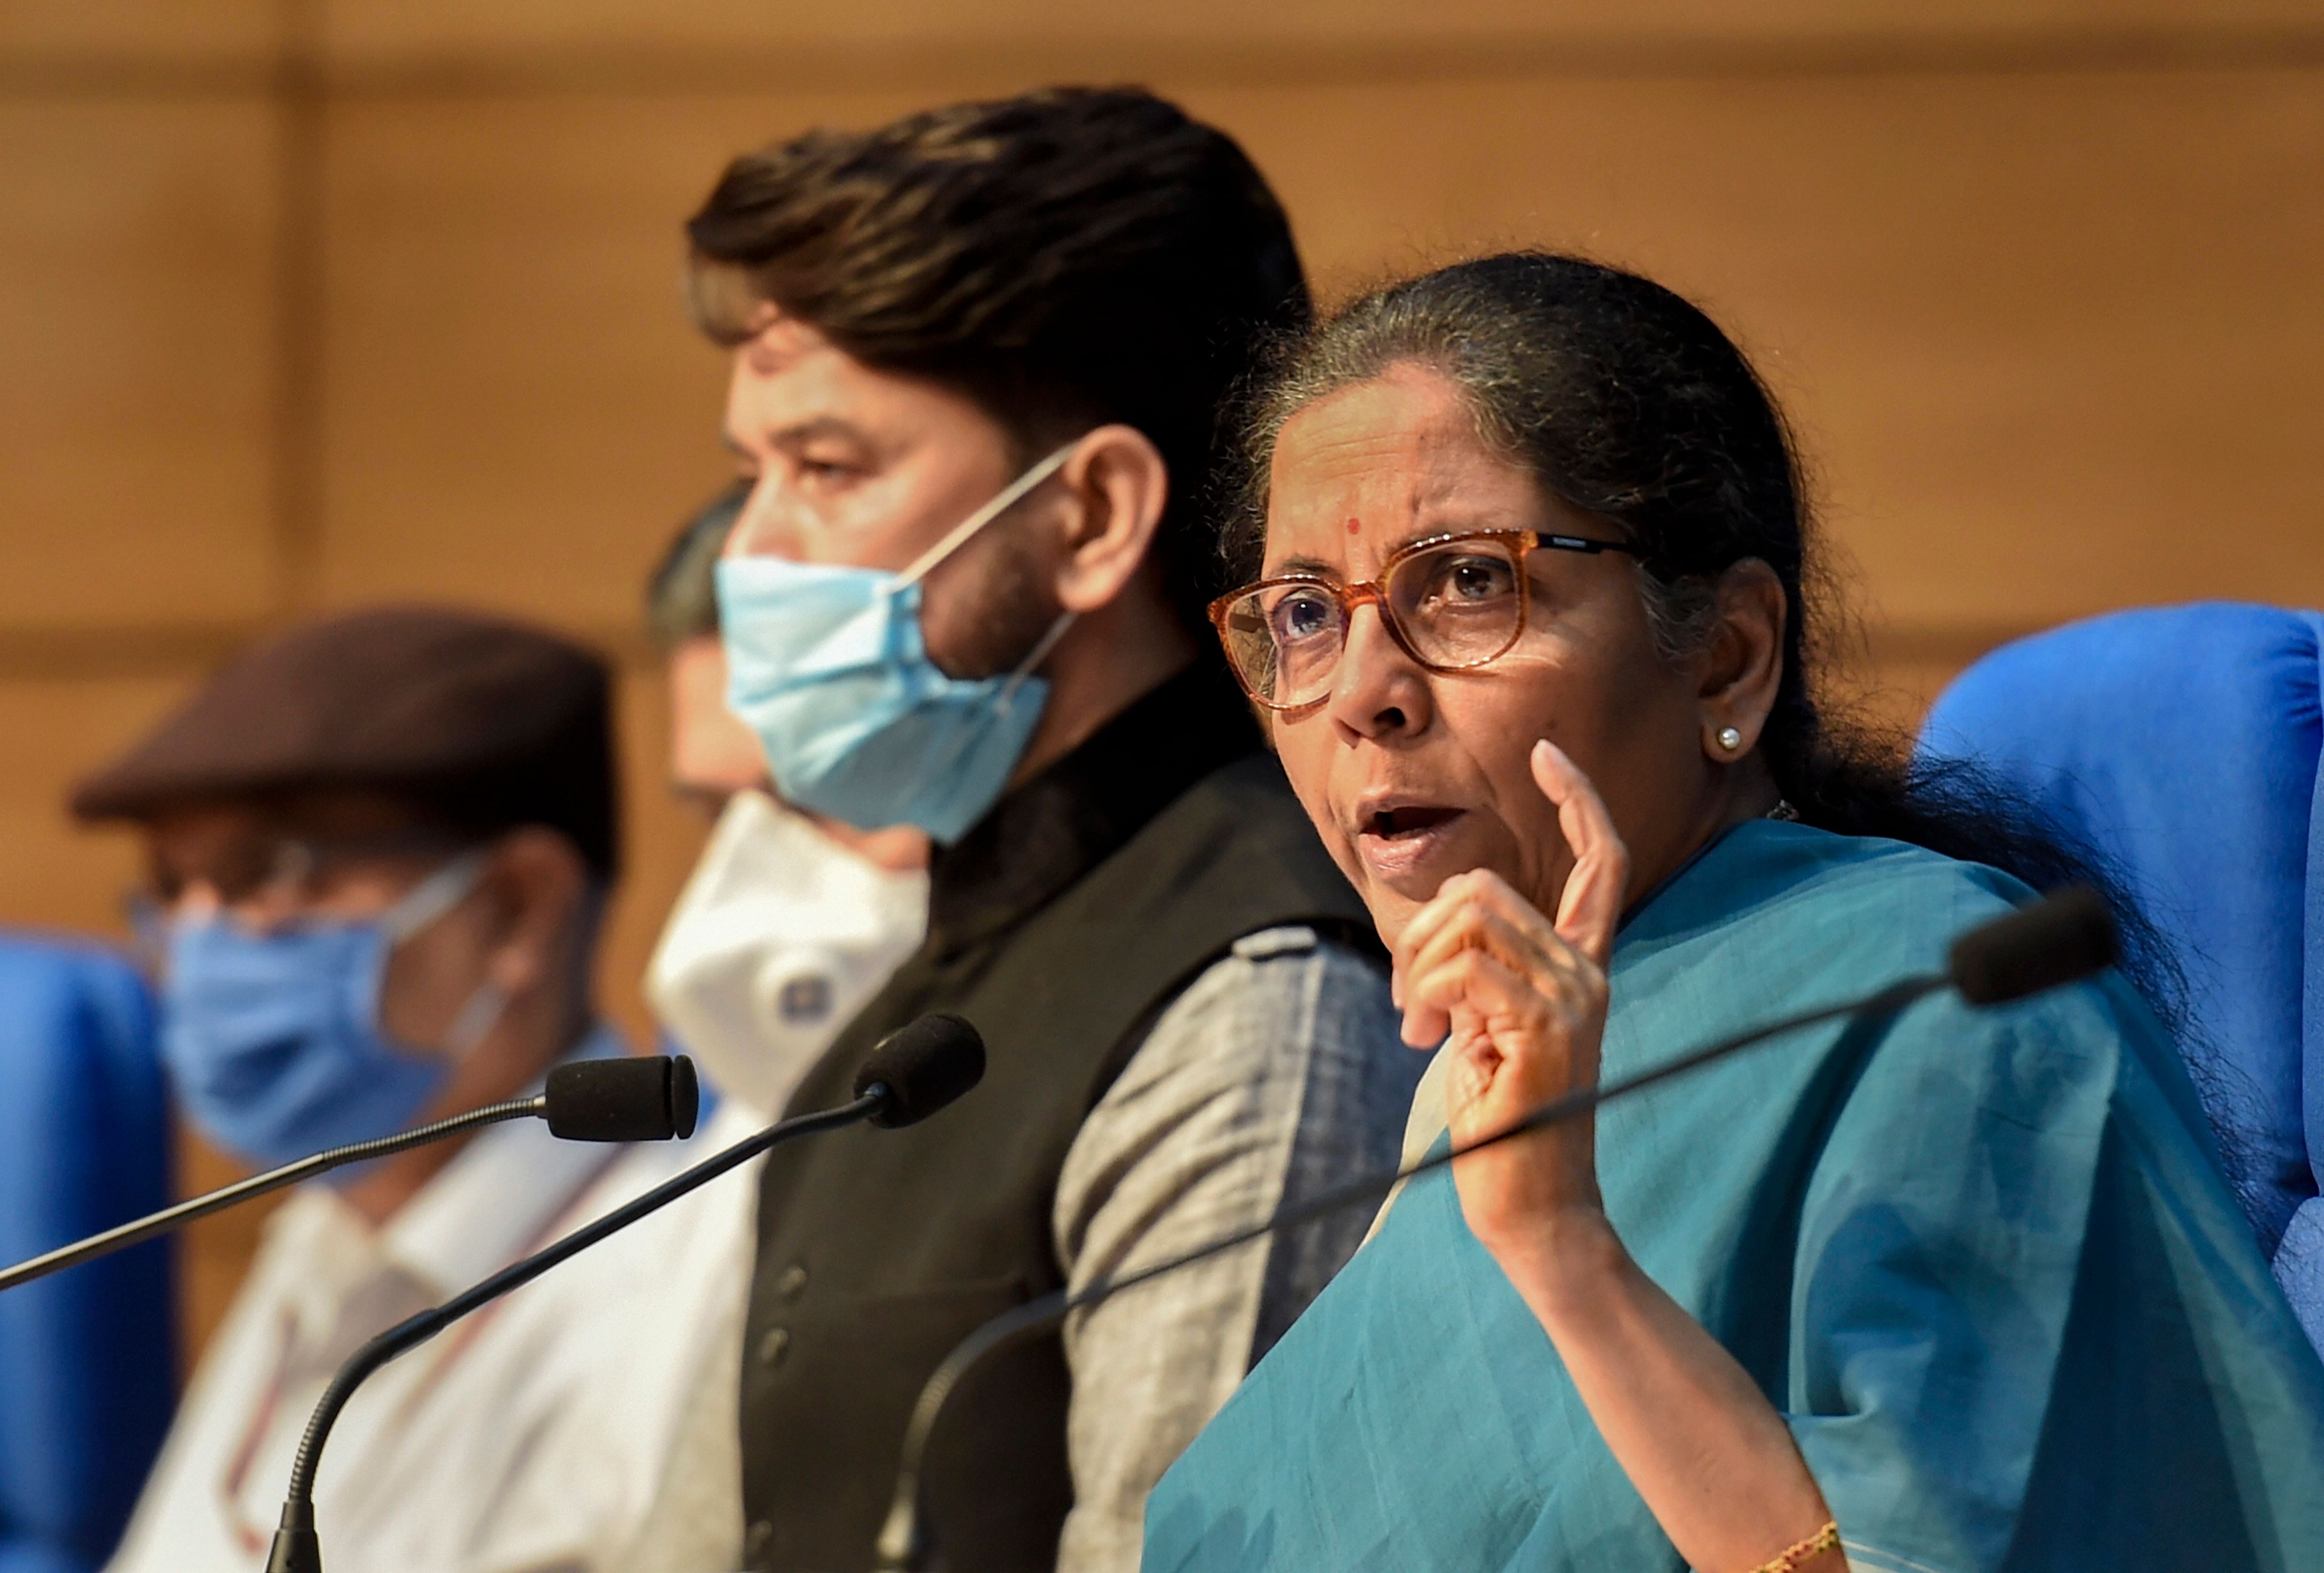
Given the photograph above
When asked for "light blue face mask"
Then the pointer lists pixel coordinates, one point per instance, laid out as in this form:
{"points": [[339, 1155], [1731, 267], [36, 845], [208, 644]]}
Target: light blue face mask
{"points": [[272, 1040], [827, 666]]}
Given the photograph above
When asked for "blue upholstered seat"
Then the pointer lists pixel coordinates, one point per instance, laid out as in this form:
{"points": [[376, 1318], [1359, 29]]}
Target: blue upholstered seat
{"points": [[2182, 743], [88, 1363]]}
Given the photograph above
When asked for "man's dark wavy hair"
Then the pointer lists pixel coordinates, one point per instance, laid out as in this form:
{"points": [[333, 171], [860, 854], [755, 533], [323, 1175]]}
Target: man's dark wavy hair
{"points": [[1064, 258]]}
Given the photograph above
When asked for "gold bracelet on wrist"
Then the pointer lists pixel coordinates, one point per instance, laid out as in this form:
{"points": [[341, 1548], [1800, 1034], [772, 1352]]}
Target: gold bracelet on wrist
{"points": [[1788, 1561]]}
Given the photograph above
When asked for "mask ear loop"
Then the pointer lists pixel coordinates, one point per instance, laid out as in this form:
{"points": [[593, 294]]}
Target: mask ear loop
{"points": [[425, 902], [434, 896], [1035, 656], [1002, 501], [476, 1022]]}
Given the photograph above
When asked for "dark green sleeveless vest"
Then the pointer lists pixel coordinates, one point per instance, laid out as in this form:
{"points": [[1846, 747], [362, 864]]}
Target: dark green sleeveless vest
{"points": [[1061, 926]]}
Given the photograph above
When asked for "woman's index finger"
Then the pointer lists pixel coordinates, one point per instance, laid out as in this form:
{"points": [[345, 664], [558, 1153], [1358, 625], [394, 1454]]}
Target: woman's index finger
{"points": [[1591, 905]]}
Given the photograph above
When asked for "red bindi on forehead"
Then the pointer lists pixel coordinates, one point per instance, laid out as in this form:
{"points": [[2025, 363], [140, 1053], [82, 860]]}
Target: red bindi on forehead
{"points": [[1354, 526]]}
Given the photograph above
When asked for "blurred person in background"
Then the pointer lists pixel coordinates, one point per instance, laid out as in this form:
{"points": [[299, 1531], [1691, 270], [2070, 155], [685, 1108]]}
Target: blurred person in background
{"points": [[791, 922], [712, 755], [980, 356], [788, 927], [380, 847]]}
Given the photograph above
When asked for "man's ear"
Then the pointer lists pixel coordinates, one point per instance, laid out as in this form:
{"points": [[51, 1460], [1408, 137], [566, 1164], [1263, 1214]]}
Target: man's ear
{"points": [[539, 889], [1743, 662], [1117, 484]]}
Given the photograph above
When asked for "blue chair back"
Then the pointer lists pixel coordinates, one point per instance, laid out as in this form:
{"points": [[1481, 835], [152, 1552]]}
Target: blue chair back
{"points": [[88, 1357], [2181, 744]]}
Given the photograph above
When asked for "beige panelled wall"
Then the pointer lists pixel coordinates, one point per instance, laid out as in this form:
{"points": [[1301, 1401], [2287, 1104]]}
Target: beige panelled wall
{"points": [[310, 303]]}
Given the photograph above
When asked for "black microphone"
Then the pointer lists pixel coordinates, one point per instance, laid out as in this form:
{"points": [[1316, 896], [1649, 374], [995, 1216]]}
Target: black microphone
{"points": [[2061, 938], [921, 1067], [632, 1098], [910, 1074], [628, 1098]]}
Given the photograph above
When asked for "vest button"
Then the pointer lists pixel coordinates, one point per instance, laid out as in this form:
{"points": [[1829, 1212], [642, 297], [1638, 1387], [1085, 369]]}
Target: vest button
{"points": [[756, 1539], [773, 1345], [792, 1280]]}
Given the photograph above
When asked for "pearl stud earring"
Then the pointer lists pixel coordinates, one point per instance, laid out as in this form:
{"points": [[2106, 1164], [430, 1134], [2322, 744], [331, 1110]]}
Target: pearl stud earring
{"points": [[1730, 739]]}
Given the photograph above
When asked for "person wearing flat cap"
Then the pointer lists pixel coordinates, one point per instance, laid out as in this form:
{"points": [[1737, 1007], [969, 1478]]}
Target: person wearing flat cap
{"points": [[380, 845]]}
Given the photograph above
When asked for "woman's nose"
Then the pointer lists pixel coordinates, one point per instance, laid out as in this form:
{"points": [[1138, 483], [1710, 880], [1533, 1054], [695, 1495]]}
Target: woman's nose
{"points": [[1378, 690]]}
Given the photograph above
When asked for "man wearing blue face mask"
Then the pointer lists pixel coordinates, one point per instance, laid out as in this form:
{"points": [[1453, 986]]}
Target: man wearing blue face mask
{"points": [[379, 848], [979, 360]]}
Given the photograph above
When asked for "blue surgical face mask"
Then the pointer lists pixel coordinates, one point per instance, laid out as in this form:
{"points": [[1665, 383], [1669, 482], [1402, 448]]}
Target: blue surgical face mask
{"points": [[827, 666], [272, 1040]]}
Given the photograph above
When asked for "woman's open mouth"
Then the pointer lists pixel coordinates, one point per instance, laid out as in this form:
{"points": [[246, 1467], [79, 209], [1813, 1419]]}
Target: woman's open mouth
{"points": [[1392, 823], [1401, 840]]}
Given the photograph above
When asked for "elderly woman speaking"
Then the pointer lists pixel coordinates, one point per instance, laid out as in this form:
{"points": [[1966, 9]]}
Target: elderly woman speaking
{"points": [[1936, 1291]]}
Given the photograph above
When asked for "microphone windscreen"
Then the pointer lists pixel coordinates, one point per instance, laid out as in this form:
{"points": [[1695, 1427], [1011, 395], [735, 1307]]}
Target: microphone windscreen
{"points": [[2063, 938], [924, 1066], [625, 1098]]}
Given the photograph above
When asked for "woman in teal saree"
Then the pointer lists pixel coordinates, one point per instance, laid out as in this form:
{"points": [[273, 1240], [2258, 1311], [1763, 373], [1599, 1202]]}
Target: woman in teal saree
{"points": [[1944, 1291]]}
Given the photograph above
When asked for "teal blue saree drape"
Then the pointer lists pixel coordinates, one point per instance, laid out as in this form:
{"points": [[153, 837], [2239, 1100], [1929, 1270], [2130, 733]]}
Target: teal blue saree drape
{"points": [[1982, 1261]]}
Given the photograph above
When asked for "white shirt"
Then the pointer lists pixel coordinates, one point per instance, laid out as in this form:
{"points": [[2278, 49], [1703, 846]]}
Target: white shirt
{"points": [[527, 1439]]}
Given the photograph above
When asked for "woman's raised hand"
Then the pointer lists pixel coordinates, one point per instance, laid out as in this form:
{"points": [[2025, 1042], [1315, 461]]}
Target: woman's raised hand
{"points": [[1524, 1000]]}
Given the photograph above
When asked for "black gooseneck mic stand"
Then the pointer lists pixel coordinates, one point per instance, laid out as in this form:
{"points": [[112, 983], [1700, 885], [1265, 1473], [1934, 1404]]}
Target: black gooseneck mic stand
{"points": [[628, 1099], [2061, 939], [908, 1076]]}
